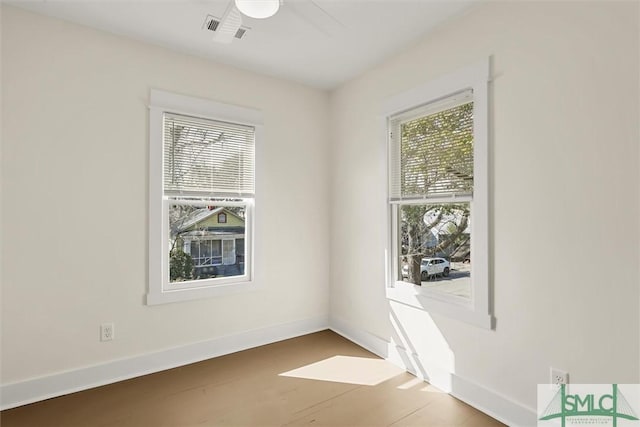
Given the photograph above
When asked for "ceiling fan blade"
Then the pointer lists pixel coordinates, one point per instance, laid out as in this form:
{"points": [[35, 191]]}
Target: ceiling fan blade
{"points": [[315, 15], [229, 25]]}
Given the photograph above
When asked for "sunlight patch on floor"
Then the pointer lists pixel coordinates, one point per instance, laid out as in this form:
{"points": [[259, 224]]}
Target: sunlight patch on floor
{"points": [[411, 383], [347, 369], [431, 389], [417, 382]]}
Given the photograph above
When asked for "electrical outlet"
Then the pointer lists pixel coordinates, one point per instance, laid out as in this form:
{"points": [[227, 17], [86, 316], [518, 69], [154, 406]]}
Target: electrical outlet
{"points": [[558, 377], [106, 332]]}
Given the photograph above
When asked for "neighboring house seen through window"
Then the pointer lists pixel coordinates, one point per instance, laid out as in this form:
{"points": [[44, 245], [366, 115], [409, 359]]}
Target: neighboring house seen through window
{"points": [[201, 208]]}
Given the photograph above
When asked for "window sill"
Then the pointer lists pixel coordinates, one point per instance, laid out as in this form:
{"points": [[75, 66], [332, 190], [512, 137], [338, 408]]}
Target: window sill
{"points": [[439, 303], [194, 293]]}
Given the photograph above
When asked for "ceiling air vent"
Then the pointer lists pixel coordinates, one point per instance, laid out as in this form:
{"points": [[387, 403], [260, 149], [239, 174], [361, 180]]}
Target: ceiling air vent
{"points": [[212, 23]]}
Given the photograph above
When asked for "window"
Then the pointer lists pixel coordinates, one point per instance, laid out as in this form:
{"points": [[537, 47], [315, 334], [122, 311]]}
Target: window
{"points": [[437, 142], [202, 179]]}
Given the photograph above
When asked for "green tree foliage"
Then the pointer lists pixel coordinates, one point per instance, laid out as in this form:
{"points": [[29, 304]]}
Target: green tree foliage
{"points": [[436, 158], [180, 265]]}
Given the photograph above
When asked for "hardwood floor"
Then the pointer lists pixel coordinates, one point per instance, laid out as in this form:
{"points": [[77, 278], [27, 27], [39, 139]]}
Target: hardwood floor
{"points": [[277, 384]]}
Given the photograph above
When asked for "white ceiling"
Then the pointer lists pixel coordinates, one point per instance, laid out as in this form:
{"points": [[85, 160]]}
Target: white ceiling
{"points": [[322, 43]]}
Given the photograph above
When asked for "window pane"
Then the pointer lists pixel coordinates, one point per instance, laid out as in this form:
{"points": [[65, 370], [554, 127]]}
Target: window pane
{"points": [[216, 248], [204, 157], [431, 150], [435, 247], [437, 153], [200, 247]]}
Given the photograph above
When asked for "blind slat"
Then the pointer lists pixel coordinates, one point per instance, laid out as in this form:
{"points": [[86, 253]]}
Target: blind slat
{"points": [[207, 157], [431, 150]]}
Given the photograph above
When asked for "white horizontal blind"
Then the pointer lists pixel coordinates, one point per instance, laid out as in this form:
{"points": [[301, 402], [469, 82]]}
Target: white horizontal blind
{"points": [[431, 150], [207, 158]]}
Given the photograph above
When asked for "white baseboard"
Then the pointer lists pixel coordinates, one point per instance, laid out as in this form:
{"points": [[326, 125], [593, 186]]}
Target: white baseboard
{"points": [[364, 339], [37, 389], [437, 376], [491, 403]]}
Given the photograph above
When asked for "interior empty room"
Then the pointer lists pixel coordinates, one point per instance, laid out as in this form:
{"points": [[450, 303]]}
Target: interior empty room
{"points": [[320, 212]]}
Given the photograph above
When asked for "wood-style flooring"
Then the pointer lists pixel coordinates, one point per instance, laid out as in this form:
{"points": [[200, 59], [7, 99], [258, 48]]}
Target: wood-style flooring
{"points": [[319, 379]]}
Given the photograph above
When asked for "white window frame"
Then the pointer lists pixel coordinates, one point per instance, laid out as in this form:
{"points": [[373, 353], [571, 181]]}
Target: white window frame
{"points": [[477, 309], [160, 291]]}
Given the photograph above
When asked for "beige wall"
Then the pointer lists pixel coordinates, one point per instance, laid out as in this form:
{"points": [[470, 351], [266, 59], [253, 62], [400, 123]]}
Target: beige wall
{"points": [[564, 196], [75, 186]]}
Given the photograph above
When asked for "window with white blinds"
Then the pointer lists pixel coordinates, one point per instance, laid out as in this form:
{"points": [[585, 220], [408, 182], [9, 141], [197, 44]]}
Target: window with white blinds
{"points": [[431, 150], [210, 158], [438, 136], [201, 197]]}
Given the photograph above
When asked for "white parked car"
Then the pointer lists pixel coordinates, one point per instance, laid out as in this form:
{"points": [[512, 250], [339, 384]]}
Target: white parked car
{"points": [[430, 267]]}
